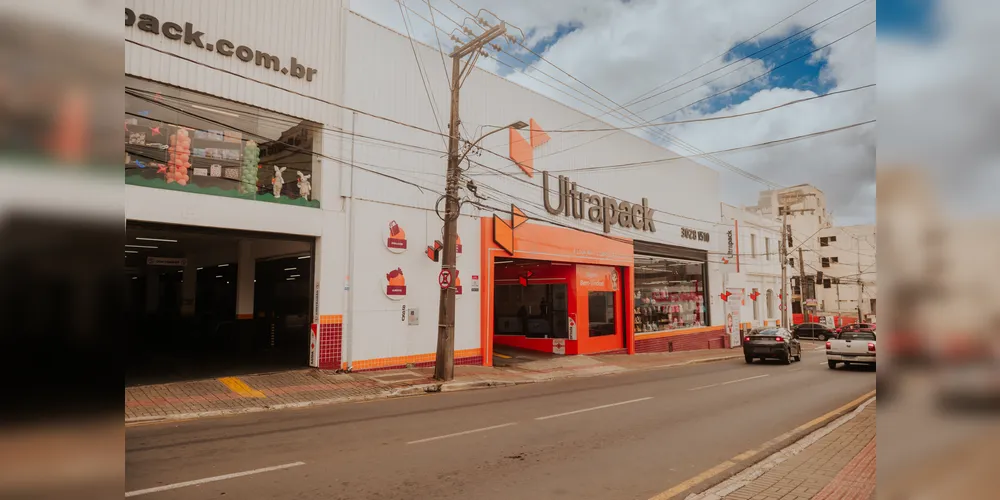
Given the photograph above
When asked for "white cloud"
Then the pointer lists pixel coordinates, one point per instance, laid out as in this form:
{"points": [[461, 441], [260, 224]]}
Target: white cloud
{"points": [[939, 109], [624, 49]]}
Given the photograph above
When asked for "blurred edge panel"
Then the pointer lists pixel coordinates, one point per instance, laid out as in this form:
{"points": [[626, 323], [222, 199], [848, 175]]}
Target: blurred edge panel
{"points": [[60, 90], [61, 237]]}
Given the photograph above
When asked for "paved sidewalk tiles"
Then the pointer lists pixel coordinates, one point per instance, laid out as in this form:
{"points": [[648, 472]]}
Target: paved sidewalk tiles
{"points": [[310, 386], [839, 466]]}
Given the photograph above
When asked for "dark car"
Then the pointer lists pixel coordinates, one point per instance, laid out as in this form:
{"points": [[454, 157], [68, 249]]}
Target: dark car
{"points": [[775, 343], [817, 331], [854, 327]]}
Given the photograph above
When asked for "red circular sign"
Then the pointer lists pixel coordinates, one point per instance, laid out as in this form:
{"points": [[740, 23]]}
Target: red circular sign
{"points": [[444, 279]]}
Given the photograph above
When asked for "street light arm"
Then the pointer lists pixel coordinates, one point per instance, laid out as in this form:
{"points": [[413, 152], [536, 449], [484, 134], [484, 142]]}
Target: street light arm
{"points": [[516, 125]]}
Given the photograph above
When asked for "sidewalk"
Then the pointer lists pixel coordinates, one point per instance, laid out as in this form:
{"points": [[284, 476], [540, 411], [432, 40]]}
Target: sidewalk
{"points": [[306, 387], [838, 465]]}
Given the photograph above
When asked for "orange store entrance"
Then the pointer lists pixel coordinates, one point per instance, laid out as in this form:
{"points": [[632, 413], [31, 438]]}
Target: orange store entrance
{"points": [[560, 291]]}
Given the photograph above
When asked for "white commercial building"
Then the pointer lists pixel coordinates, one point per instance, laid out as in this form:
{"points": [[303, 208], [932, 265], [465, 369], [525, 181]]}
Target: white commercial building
{"points": [[757, 272], [283, 169], [836, 265]]}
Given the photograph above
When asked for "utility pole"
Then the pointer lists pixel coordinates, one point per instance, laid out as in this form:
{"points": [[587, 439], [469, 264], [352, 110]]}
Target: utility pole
{"points": [[861, 283], [802, 286], [444, 360], [785, 298]]}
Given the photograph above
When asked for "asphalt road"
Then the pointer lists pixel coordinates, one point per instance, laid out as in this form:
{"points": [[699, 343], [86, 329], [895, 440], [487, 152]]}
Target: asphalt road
{"points": [[629, 436]]}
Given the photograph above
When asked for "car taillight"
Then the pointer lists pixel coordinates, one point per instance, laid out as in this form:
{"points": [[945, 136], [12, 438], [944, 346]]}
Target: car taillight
{"points": [[827, 345], [746, 339], [779, 339], [871, 347]]}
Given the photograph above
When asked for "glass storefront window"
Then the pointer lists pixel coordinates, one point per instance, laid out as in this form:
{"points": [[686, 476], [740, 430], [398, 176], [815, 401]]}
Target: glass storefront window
{"points": [[669, 294], [182, 140], [601, 315]]}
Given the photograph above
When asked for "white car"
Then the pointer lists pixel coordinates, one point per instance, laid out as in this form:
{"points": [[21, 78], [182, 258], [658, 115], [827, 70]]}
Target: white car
{"points": [[851, 347]]}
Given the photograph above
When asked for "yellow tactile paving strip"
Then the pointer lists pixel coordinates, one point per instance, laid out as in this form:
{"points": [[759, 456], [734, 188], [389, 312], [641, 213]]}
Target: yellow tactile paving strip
{"points": [[240, 387]]}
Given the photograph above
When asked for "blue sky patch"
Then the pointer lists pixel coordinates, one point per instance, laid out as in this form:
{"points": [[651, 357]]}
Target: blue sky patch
{"points": [[539, 48], [908, 18], [802, 74]]}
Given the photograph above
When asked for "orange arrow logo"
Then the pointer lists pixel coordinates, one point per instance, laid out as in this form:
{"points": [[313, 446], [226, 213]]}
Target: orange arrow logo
{"points": [[521, 152], [503, 231]]}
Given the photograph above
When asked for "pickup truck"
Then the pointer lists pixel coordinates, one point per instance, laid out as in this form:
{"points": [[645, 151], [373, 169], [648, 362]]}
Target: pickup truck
{"points": [[851, 347]]}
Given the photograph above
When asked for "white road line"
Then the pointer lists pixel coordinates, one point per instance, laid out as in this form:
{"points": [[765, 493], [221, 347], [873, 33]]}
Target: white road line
{"points": [[592, 409], [210, 479], [435, 438], [727, 383]]}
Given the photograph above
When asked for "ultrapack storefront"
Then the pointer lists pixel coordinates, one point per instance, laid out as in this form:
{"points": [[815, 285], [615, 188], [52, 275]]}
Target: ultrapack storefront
{"points": [[564, 291], [561, 290]]}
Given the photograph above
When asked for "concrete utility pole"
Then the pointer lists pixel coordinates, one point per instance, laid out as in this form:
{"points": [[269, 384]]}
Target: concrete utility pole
{"points": [[444, 360], [785, 298], [861, 284], [802, 286]]}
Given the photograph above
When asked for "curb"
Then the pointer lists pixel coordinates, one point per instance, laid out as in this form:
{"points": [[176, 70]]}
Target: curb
{"points": [[750, 458], [413, 390]]}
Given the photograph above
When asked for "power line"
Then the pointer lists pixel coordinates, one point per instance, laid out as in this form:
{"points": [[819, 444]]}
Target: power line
{"points": [[791, 38], [283, 89], [671, 138], [715, 118], [721, 151], [636, 99], [299, 149], [420, 69], [772, 70], [291, 122]]}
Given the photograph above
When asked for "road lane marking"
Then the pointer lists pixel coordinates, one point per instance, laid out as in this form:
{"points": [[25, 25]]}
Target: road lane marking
{"points": [[210, 479], [435, 438], [727, 383], [594, 408], [690, 483], [748, 475], [240, 387], [710, 473]]}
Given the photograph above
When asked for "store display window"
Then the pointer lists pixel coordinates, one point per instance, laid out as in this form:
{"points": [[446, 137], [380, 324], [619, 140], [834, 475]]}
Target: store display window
{"points": [[182, 140], [670, 294]]}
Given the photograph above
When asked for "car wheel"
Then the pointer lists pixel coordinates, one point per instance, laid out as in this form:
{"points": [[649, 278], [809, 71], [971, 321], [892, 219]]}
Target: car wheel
{"points": [[821, 337], [831, 364], [749, 359]]}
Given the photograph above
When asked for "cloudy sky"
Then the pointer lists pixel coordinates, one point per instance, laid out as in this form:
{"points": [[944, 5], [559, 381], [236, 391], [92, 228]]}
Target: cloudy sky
{"points": [[675, 56]]}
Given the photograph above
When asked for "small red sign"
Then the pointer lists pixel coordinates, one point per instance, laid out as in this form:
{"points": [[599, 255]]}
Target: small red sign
{"points": [[444, 279]]}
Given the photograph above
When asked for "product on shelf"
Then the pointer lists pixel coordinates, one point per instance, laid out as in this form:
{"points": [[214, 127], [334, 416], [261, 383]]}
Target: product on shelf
{"points": [[180, 158]]}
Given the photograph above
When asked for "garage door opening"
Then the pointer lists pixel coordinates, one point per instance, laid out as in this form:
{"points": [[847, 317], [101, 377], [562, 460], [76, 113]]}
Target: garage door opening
{"points": [[203, 303]]}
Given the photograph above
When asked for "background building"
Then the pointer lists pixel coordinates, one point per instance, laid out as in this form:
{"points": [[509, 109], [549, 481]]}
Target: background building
{"points": [[834, 267]]}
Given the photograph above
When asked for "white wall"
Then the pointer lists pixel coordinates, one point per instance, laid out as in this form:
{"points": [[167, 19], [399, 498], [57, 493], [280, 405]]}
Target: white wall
{"points": [[379, 330]]}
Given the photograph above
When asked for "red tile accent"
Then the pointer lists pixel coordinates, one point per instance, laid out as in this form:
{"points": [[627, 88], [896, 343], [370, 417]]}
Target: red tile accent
{"points": [[711, 339], [331, 335]]}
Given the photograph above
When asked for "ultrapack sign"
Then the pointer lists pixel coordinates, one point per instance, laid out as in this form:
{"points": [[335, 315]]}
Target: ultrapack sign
{"points": [[605, 210]]}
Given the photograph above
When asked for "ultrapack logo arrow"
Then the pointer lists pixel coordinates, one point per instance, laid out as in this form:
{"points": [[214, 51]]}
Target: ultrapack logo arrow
{"points": [[503, 231]]}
